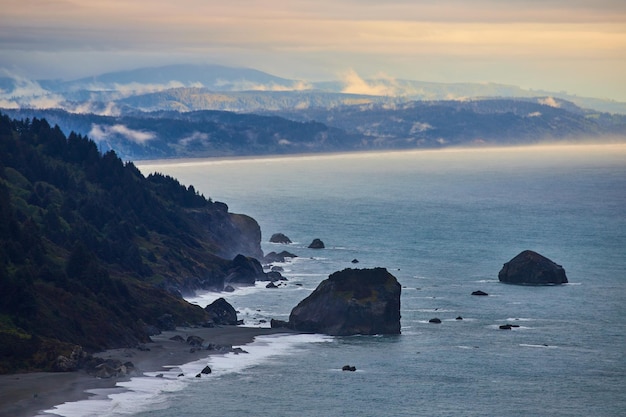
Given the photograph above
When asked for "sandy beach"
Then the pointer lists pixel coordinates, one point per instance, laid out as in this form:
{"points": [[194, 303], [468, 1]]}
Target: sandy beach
{"points": [[26, 395]]}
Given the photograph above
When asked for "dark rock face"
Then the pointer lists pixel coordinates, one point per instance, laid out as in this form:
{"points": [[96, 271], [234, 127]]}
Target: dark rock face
{"points": [[352, 301], [278, 257], [245, 271], [531, 268], [221, 312], [316, 244], [280, 238]]}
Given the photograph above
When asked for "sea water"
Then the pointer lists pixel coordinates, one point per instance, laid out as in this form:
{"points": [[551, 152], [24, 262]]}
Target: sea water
{"points": [[442, 222]]}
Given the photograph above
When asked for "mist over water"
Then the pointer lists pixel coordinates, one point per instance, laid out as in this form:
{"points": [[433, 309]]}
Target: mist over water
{"points": [[443, 222]]}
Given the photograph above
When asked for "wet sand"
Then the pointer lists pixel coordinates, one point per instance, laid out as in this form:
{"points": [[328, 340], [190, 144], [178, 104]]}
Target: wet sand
{"points": [[26, 395]]}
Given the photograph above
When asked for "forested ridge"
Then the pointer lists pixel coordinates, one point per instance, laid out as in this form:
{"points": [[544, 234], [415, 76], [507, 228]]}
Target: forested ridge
{"points": [[93, 253]]}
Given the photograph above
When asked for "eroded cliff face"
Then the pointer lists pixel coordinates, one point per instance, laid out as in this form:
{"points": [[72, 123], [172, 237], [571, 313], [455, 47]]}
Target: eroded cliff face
{"points": [[228, 234], [349, 302]]}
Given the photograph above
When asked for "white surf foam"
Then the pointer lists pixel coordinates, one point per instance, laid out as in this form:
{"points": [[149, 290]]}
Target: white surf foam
{"points": [[149, 392]]}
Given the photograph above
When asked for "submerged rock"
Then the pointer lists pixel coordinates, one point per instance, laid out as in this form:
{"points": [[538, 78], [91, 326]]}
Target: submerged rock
{"points": [[352, 301], [531, 268], [479, 292]]}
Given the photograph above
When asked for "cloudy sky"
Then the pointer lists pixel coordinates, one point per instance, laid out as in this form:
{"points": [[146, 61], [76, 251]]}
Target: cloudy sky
{"points": [[578, 46]]}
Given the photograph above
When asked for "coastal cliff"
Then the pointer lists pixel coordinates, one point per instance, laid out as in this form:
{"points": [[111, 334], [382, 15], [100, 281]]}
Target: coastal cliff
{"points": [[92, 253]]}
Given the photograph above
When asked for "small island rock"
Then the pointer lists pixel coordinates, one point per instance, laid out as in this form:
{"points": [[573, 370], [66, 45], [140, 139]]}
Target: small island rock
{"points": [[479, 292], [316, 244], [349, 302], [280, 238], [531, 268]]}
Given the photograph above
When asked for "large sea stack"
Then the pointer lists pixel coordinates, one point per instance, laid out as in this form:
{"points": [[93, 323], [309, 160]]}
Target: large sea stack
{"points": [[349, 302], [531, 268]]}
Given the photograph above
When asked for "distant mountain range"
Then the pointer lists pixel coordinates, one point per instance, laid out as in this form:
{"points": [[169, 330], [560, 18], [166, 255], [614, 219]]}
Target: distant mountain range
{"points": [[206, 80], [209, 110]]}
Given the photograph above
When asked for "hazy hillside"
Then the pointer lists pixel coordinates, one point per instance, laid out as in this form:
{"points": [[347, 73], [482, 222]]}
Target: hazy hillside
{"points": [[198, 134], [370, 126], [487, 121], [92, 253]]}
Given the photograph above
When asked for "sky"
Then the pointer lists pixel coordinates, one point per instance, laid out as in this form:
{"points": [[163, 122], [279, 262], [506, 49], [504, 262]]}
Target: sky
{"points": [[575, 46]]}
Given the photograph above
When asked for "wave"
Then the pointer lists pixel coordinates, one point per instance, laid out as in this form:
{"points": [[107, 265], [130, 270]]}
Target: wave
{"points": [[538, 346]]}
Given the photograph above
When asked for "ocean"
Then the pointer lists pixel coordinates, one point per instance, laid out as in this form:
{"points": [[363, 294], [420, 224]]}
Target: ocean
{"points": [[443, 222]]}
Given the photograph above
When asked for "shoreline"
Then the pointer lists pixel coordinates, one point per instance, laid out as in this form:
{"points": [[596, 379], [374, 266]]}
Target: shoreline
{"points": [[542, 146], [28, 394]]}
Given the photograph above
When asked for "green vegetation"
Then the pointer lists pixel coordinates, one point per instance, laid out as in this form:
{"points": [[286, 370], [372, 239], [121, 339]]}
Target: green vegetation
{"points": [[92, 252]]}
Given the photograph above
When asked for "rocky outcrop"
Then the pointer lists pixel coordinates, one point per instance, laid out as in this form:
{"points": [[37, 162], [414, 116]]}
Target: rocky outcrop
{"points": [[280, 238], [316, 244], [531, 268], [245, 271], [220, 312], [278, 257], [352, 301], [479, 292]]}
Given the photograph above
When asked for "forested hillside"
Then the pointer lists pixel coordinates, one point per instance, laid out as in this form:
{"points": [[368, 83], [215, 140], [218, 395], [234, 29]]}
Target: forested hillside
{"points": [[92, 253]]}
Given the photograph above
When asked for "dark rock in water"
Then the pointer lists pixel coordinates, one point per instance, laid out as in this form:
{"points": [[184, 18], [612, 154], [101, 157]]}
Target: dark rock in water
{"points": [[435, 320], [245, 271], [479, 293], [352, 301], [229, 288], [348, 368], [316, 244], [177, 338], [206, 370], [276, 268], [355, 261], [280, 238], [459, 318], [278, 257], [199, 375], [221, 312], [531, 268], [505, 327], [271, 285], [274, 276]]}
